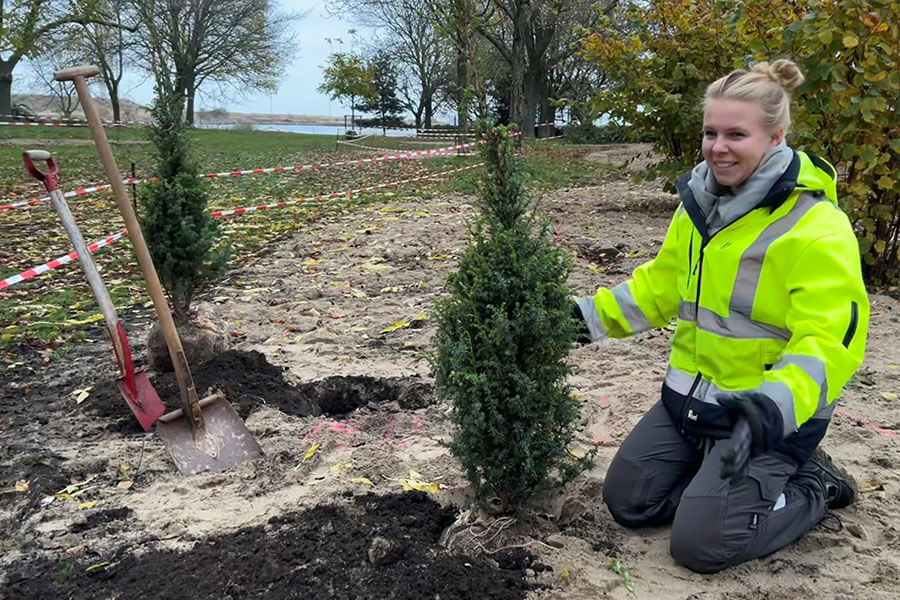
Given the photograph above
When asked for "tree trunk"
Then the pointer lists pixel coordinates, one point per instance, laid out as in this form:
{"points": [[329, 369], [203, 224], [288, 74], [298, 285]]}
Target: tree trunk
{"points": [[548, 115], [534, 90], [6, 76], [429, 111], [517, 101], [462, 62], [112, 87], [189, 113], [462, 80]]}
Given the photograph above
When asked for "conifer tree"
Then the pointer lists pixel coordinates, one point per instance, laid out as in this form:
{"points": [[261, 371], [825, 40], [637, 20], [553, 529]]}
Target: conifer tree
{"points": [[504, 333], [180, 234]]}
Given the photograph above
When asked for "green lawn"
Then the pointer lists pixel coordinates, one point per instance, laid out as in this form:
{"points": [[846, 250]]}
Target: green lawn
{"points": [[41, 317]]}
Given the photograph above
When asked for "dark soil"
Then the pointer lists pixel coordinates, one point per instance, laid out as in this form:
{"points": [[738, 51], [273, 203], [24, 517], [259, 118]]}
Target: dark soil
{"points": [[371, 547], [250, 381], [101, 517]]}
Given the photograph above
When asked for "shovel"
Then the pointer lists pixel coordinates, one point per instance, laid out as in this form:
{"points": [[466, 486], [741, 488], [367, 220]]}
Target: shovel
{"points": [[204, 435], [134, 385]]}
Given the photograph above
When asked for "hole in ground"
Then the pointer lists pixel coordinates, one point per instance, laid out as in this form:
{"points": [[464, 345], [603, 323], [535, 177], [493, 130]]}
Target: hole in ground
{"points": [[250, 381]]}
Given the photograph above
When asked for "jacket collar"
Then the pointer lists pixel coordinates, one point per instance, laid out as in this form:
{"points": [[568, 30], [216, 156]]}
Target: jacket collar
{"points": [[775, 197]]}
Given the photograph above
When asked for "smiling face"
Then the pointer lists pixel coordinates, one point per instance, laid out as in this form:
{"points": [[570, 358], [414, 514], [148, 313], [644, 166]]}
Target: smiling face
{"points": [[735, 139]]}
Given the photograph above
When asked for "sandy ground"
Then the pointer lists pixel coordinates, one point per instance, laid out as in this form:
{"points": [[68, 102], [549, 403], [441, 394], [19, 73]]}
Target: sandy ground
{"points": [[319, 304]]}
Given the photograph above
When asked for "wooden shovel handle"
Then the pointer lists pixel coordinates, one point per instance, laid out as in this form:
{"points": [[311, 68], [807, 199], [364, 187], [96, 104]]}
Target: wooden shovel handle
{"points": [[189, 400]]}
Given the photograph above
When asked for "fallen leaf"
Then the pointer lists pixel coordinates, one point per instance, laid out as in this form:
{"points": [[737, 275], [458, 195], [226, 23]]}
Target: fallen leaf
{"points": [[414, 483], [364, 480], [87, 505], [21, 486], [76, 549], [96, 566], [374, 267], [125, 485], [889, 395], [82, 394], [403, 323], [311, 452]]}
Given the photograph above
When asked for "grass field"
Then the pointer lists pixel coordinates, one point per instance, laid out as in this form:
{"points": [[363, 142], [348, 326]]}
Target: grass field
{"points": [[42, 317]]}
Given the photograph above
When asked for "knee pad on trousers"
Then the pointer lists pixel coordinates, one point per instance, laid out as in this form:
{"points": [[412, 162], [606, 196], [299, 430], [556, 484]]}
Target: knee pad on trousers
{"points": [[626, 494]]}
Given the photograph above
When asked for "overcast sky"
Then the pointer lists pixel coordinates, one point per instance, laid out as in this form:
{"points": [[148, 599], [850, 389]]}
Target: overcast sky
{"points": [[297, 92]]}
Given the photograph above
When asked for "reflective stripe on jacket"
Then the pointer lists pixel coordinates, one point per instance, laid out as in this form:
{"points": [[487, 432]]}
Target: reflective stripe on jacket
{"points": [[773, 302]]}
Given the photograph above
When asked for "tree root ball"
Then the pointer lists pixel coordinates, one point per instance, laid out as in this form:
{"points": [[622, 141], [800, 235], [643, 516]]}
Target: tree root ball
{"points": [[201, 342]]}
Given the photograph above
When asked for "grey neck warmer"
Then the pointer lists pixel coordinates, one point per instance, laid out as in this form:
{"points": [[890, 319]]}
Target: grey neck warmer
{"points": [[723, 205]]}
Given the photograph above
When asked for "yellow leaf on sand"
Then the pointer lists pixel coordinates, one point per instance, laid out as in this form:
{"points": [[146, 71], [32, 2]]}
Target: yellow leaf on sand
{"points": [[364, 480], [403, 323], [311, 452], [21, 486], [81, 394], [889, 395], [420, 486], [573, 453], [414, 483], [374, 267], [96, 566], [87, 505]]}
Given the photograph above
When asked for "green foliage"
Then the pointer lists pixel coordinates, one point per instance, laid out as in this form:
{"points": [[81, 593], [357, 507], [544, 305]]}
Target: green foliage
{"points": [[504, 333], [178, 229], [348, 78], [848, 111], [610, 133], [383, 102], [660, 56]]}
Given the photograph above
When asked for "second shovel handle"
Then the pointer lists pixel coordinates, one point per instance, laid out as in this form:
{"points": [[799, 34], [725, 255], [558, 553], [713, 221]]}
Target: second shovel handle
{"points": [[189, 398]]}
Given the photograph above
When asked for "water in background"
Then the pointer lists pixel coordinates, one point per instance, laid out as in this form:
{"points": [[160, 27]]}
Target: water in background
{"points": [[333, 130]]}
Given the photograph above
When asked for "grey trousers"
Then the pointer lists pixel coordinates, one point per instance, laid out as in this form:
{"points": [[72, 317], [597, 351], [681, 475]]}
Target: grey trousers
{"points": [[658, 477]]}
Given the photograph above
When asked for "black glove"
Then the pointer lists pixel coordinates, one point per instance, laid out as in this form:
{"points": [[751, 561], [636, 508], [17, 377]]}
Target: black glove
{"points": [[583, 334], [758, 428], [736, 456]]}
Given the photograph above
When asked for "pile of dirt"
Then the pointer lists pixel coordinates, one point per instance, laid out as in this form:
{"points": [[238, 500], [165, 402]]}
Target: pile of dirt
{"points": [[371, 547], [250, 381]]}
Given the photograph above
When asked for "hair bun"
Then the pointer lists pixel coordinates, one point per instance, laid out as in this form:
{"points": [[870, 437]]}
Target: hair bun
{"points": [[784, 72]]}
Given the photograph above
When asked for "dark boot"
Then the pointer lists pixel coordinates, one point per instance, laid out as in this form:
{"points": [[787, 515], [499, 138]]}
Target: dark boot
{"points": [[840, 487]]}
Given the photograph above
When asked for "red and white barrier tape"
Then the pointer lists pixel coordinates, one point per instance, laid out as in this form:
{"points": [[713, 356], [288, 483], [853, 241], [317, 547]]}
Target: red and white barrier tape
{"points": [[403, 155], [79, 192], [40, 122], [62, 260], [370, 188], [58, 262]]}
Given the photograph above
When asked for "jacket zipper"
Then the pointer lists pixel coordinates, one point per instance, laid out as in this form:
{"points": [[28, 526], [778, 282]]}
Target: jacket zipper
{"points": [[699, 268], [690, 258]]}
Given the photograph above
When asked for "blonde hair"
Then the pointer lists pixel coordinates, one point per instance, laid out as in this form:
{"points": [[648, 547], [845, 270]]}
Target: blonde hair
{"points": [[768, 84]]}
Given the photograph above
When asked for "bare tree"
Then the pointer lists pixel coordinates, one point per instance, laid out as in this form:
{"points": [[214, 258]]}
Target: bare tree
{"points": [[185, 43], [534, 37], [415, 43], [65, 54], [108, 46], [27, 28]]}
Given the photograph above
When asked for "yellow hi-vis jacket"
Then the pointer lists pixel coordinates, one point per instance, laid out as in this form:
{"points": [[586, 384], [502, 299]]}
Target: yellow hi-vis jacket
{"points": [[773, 302]]}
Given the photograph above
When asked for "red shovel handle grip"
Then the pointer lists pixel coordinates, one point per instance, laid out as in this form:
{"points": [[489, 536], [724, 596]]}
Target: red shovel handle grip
{"points": [[48, 178]]}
